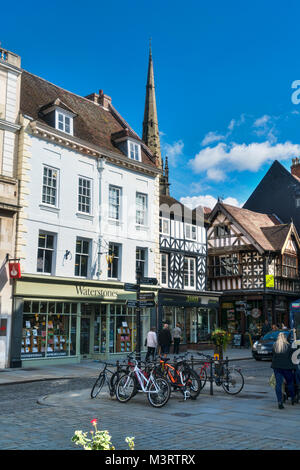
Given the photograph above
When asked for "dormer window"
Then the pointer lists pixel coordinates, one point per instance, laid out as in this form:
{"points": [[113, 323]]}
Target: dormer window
{"points": [[63, 122], [58, 115], [134, 151]]}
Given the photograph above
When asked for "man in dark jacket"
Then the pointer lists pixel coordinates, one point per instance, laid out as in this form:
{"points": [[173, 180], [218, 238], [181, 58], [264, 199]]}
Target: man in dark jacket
{"points": [[283, 367], [165, 340], [265, 328]]}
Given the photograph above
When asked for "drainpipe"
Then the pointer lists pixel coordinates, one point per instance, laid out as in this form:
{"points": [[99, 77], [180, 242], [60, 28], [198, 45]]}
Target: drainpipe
{"points": [[100, 168]]}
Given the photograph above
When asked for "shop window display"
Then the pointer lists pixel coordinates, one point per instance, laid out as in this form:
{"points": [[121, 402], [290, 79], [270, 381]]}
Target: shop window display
{"points": [[123, 328], [48, 329]]}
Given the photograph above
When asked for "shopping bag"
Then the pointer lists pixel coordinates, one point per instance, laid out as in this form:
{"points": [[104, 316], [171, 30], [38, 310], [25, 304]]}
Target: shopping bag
{"points": [[272, 381]]}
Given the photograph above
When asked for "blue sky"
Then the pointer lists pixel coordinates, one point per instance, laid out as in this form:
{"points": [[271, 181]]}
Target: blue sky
{"points": [[223, 73]]}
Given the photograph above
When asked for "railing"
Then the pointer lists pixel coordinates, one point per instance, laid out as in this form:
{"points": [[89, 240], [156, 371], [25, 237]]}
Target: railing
{"points": [[10, 57], [3, 54]]}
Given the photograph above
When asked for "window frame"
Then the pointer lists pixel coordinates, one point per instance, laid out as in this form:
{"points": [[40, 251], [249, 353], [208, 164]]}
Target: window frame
{"points": [[143, 261], [144, 211], [65, 115], [136, 151], [116, 257], [119, 206], [222, 228], [56, 187], [190, 227], [161, 226], [189, 274], [82, 255], [166, 271], [89, 180], [46, 249]]}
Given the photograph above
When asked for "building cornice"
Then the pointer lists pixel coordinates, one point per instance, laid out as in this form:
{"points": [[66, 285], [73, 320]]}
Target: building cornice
{"points": [[9, 126], [52, 135]]}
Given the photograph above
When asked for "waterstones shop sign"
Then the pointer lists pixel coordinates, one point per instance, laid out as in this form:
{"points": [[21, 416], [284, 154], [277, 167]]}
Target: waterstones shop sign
{"points": [[95, 292]]}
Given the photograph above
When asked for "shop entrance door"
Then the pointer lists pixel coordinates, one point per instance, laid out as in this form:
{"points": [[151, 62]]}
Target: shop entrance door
{"points": [[85, 333]]}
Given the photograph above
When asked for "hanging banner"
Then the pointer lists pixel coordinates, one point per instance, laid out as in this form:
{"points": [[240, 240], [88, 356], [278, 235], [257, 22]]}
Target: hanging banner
{"points": [[14, 270]]}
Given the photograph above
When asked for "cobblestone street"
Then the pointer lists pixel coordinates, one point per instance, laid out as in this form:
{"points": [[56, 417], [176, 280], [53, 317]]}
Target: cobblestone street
{"points": [[44, 415]]}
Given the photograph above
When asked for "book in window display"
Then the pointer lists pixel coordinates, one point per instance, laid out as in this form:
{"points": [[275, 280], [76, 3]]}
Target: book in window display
{"points": [[123, 340]]}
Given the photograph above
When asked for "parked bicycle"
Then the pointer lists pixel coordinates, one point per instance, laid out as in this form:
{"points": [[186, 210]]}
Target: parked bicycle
{"points": [[229, 377], [180, 376], [108, 377], [158, 389]]}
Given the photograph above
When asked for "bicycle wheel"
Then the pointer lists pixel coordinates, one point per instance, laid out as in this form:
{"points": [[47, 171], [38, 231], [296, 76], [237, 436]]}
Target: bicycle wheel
{"points": [[125, 388], [114, 380], [192, 382], [232, 381], [202, 374], [161, 397], [98, 385]]}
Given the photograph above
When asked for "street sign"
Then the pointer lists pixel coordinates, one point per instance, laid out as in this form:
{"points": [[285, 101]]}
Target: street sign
{"points": [[146, 296], [140, 304], [149, 280], [270, 281], [131, 287], [147, 304]]}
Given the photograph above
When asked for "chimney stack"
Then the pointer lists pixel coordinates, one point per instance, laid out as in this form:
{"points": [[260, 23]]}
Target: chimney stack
{"points": [[295, 168], [104, 100], [101, 98]]}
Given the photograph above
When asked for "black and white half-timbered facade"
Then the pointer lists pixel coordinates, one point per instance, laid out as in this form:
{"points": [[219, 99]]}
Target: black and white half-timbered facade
{"points": [[254, 260], [183, 297]]}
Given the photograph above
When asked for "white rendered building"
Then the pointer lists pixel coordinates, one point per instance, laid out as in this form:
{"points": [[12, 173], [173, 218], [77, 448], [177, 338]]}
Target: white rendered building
{"points": [[90, 211]]}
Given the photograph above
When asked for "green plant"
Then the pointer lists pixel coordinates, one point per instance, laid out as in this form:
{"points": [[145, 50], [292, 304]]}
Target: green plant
{"points": [[100, 440], [221, 338]]}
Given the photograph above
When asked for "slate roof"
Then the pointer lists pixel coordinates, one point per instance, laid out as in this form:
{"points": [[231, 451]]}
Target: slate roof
{"points": [[277, 235], [253, 223], [276, 193], [265, 229], [93, 123]]}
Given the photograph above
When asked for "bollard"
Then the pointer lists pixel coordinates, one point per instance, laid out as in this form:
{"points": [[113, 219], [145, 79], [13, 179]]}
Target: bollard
{"points": [[211, 392]]}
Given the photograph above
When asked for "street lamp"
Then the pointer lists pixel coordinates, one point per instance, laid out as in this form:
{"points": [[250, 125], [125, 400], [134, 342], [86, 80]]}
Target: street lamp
{"points": [[138, 311]]}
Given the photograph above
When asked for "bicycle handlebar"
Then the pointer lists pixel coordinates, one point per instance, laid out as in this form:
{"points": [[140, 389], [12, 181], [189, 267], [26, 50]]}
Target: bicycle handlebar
{"points": [[205, 355]]}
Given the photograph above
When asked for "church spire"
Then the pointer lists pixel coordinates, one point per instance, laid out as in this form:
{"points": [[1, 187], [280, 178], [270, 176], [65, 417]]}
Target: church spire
{"points": [[150, 124]]}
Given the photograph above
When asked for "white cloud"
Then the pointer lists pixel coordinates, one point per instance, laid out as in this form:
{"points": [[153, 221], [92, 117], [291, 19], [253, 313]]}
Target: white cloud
{"points": [[264, 126], [207, 201], [262, 121], [173, 151], [223, 158], [212, 137]]}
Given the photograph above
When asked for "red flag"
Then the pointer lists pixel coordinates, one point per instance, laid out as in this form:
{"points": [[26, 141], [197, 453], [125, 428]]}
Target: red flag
{"points": [[14, 270]]}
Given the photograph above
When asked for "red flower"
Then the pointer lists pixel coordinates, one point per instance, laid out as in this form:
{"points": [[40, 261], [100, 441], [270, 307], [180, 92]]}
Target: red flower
{"points": [[94, 422]]}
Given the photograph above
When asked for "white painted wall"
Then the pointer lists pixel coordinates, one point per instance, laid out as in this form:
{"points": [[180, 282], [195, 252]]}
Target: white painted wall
{"points": [[67, 224]]}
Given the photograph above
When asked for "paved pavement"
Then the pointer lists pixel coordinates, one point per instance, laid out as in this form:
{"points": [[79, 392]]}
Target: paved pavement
{"points": [[44, 414], [87, 368]]}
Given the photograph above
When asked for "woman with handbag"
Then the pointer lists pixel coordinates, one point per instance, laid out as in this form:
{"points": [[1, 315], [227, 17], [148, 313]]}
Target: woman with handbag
{"points": [[283, 368]]}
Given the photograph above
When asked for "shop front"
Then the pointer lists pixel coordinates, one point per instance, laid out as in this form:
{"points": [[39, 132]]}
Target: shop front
{"points": [[62, 320], [246, 314], [196, 314]]}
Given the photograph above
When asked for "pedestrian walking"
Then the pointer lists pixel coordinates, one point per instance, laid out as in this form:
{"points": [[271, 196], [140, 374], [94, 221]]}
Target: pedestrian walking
{"points": [[165, 340], [266, 328], [283, 368], [176, 333], [151, 343]]}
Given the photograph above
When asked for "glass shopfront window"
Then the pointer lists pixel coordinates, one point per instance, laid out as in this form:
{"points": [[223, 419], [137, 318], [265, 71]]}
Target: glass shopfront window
{"points": [[122, 334], [100, 329], [49, 329], [196, 323]]}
